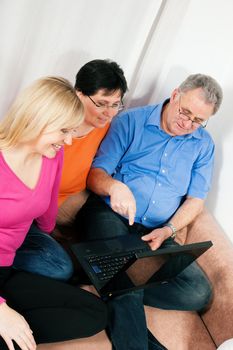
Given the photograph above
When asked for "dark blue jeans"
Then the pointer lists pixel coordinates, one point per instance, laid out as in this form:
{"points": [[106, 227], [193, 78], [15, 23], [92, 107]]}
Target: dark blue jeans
{"points": [[41, 254], [190, 290]]}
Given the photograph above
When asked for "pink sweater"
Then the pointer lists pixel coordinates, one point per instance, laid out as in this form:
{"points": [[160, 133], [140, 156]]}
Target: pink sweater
{"points": [[20, 205]]}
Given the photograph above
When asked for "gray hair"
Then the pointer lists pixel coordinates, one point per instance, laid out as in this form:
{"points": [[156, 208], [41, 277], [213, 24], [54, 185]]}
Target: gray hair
{"points": [[212, 91]]}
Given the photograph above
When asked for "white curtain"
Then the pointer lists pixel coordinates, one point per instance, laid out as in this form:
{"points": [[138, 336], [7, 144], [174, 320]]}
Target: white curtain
{"points": [[56, 37]]}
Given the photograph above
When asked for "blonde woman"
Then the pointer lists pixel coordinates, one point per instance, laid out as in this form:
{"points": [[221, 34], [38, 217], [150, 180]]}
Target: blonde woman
{"points": [[33, 308]]}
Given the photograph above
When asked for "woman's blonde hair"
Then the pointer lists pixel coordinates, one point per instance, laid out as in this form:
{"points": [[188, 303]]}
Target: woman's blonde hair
{"points": [[50, 103]]}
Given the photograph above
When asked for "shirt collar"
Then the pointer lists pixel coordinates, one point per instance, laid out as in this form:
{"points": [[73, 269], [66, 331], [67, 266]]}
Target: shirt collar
{"points": [[155, 120], [155, 116]]}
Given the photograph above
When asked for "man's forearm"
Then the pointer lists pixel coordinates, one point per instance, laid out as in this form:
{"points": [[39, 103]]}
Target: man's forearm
{"points": [[100, 182], [187, 212]]}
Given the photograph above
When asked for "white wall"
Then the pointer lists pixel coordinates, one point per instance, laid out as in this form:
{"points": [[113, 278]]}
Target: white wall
{"points": [[157, 42], [48, 37]]}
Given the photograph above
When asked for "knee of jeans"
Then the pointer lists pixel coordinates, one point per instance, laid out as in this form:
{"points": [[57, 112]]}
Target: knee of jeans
{"points": [[204, 295], [57, 265], [64, 270], [129, 299]]}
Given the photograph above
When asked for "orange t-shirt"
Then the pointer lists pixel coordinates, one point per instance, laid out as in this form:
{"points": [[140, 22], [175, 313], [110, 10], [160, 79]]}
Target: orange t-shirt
{"points": [[77, 162]]}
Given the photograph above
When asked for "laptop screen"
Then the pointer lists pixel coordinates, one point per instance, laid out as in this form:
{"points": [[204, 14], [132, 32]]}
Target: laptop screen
{"points": [[148, 270]]}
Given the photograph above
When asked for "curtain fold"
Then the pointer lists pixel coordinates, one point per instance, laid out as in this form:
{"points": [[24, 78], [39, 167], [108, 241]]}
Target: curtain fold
{"points": [[56, 37]]}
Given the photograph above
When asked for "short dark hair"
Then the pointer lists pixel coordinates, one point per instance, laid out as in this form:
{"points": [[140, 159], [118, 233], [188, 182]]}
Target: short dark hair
{"points": [[100, 74]]}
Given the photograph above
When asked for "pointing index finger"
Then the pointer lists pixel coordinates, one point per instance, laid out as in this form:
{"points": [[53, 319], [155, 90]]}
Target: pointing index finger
{"points": [[131, 215]]}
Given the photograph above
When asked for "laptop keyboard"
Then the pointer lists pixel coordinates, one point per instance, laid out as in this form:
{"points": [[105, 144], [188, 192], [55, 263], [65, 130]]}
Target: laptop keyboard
{"points": [[106, 266]]}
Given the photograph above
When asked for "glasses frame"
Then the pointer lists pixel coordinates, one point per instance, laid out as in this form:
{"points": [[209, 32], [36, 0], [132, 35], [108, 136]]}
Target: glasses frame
{"points": [[193, 121], [105, 106]]}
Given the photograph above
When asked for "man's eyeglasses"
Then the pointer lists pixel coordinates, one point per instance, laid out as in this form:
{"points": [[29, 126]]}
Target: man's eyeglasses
{"points": [[194, 120], [103, 106]]}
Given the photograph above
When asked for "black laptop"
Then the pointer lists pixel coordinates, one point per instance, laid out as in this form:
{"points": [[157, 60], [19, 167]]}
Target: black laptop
{"points": [[126, 263]]}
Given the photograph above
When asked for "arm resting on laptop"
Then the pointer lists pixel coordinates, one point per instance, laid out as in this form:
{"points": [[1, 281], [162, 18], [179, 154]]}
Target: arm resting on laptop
{"points": [[187, 212]]}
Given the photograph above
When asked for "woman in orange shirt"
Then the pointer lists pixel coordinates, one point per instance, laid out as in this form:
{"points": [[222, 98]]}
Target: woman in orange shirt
{"points": [[100, 85]]}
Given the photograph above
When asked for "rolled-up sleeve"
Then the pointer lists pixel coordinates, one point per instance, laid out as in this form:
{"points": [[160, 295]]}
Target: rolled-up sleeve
{"points": [[202, 171], [114, 145]]}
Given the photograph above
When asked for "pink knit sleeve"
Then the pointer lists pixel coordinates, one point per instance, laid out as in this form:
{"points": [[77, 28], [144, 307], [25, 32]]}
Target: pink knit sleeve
{"points": [[47, 221], [2, 300]]}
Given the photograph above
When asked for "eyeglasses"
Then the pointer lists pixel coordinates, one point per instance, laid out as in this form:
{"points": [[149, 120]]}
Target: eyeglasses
{"points": [[103, 106], [194, 120]]}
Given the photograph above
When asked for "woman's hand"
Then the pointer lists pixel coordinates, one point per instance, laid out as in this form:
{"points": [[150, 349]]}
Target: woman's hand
{"points": [[13, 326]]}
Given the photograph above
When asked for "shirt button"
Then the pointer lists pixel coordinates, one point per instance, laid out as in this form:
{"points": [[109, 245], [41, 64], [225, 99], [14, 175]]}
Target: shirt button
{"points": [[165, 154], [144, 218], [153, 202], [163, 171], [159, 184]]}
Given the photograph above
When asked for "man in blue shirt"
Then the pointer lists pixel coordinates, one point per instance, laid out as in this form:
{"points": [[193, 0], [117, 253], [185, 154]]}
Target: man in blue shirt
{"points": [[153, 172]]}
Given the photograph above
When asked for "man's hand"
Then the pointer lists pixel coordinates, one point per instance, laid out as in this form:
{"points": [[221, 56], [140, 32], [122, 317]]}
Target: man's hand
{"points": [[122, 201], [156, 237], [13, 326]]}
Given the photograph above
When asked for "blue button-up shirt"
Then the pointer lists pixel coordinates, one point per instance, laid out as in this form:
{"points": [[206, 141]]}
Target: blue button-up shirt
{"points": [[160, 169]]}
